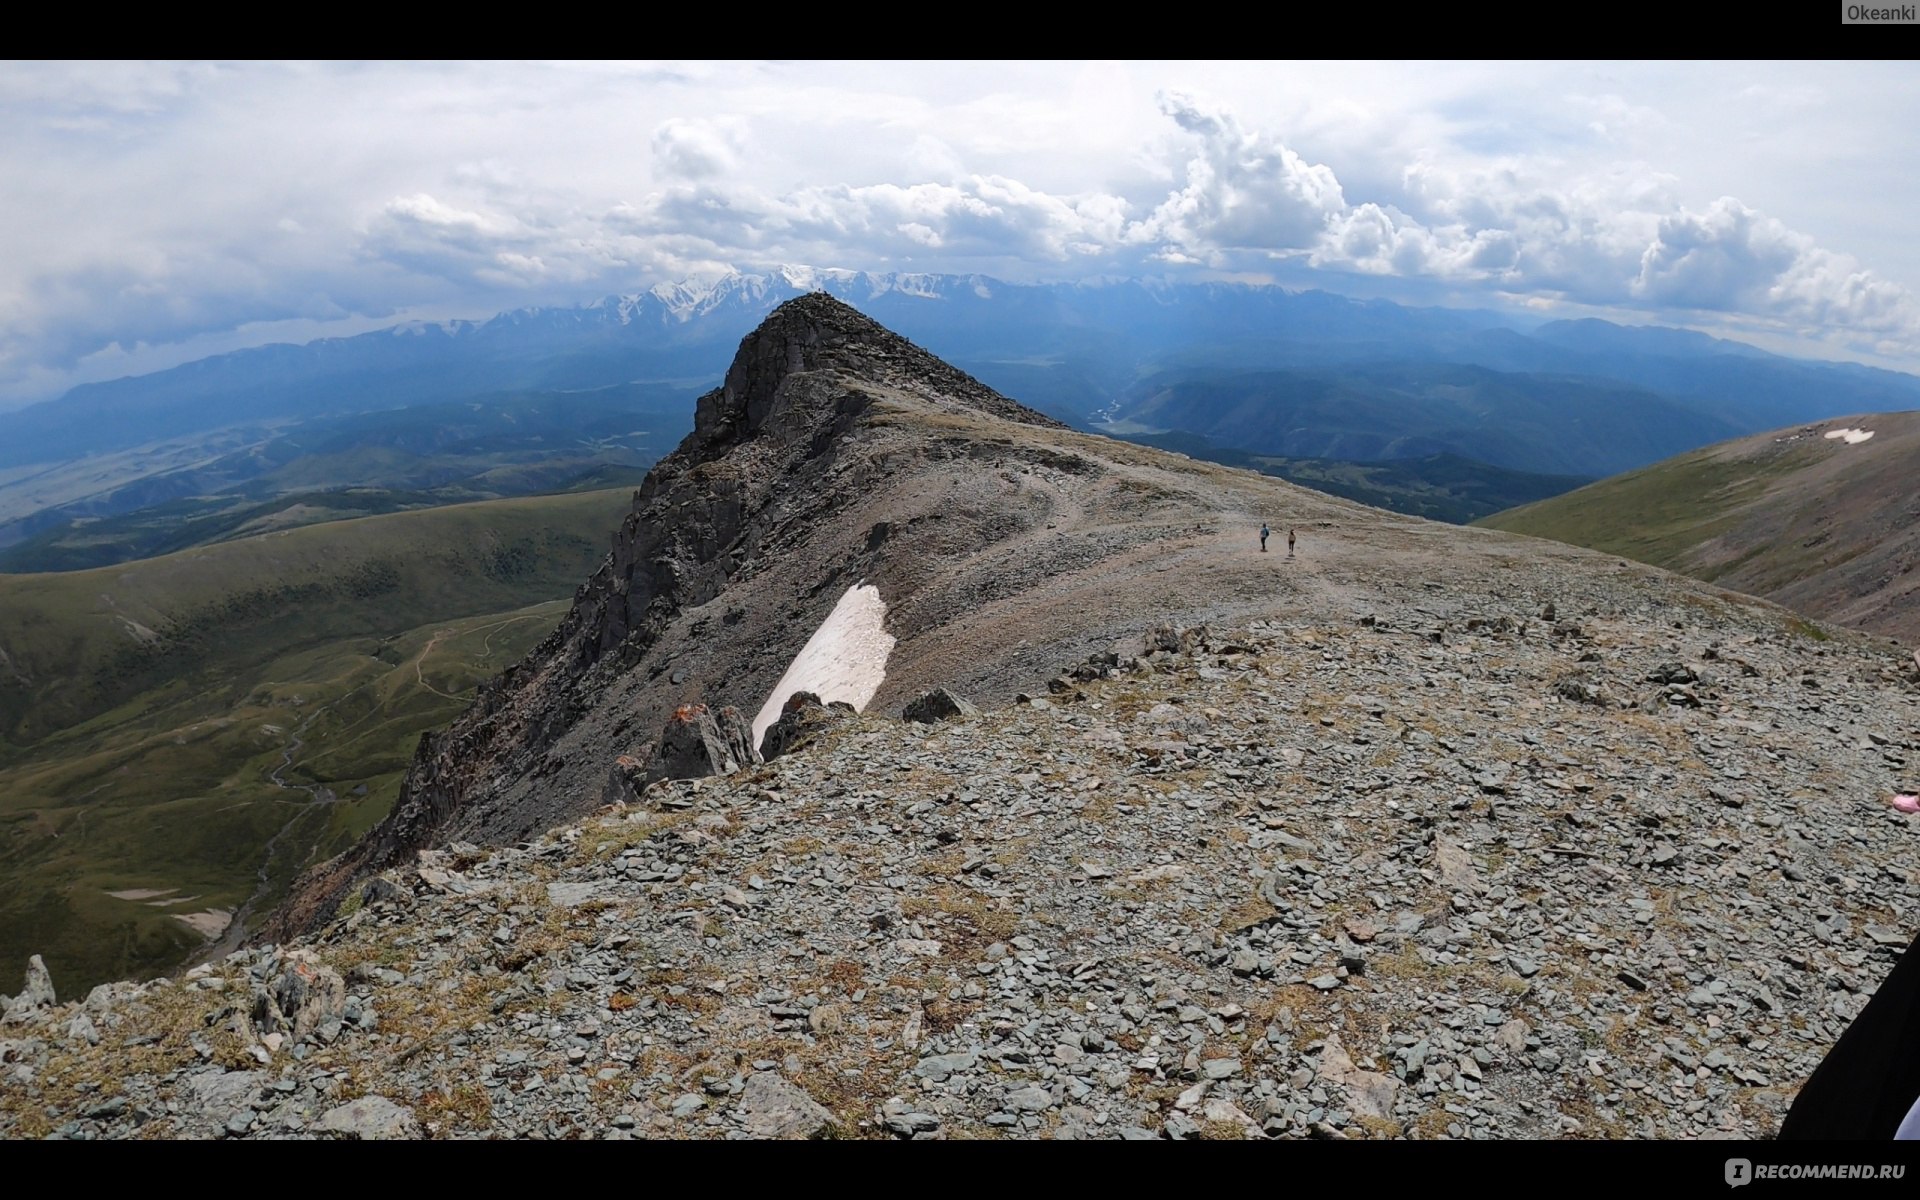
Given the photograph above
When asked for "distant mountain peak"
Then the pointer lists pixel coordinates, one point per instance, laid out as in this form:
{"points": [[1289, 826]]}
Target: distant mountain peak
{"points": [[818, 332]]}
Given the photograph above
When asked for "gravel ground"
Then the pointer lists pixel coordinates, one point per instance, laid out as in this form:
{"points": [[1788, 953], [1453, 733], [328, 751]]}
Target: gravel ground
{"points": [[1436, 866]]}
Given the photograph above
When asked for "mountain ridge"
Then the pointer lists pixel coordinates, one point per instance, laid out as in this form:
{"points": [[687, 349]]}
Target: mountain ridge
{"points": [[1413, 831], [1091, 336], [782, 406]]}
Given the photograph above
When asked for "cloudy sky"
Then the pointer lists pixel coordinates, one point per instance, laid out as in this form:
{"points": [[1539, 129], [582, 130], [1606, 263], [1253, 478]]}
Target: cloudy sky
{"points": [[155, 213]]}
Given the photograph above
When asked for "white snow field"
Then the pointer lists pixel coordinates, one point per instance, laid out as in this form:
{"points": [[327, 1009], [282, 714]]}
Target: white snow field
{"points": [[845, 659], [1853, 436]]}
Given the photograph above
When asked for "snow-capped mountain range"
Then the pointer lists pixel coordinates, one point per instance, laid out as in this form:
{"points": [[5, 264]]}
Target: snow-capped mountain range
{"points": [[1275, 370]]}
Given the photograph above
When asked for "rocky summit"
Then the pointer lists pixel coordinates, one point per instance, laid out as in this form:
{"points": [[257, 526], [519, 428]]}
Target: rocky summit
{"points": [[1422, 832]]}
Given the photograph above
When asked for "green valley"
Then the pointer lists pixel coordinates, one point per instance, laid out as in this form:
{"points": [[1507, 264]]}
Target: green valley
{"points": [[180, 735]]}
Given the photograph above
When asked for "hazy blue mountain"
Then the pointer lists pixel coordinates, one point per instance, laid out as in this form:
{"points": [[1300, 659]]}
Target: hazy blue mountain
{"points": [[1261, 369], [1081, 341], [1534, 423], [1440, 487]]}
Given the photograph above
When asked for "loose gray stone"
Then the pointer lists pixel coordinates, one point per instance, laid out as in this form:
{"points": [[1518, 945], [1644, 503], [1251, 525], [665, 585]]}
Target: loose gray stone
{"points": [[1029, 1099], [572, 895], [370, 1118], [772, 1107], [81, 1029], [939, 1066], [1220, 1068]]}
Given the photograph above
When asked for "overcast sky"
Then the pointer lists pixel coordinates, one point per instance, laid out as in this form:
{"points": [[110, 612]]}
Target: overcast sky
{"points": [[155, 213]]}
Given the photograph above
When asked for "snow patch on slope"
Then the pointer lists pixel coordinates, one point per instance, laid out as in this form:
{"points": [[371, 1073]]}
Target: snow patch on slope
{"points": [[845, 659], [1853, 437]]}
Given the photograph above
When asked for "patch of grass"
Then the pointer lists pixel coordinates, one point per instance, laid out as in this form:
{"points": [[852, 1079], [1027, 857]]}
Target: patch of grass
{"points": [[1249, 912], [945, 864], [1431, 1124], [964, 922], [1593, 1125], [1383, 1128], [460, 1106], [1805, 629]]}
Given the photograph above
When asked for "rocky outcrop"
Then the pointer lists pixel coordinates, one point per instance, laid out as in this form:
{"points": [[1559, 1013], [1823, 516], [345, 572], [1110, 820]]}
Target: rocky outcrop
{"points": [[35, 998], [699, 741], [299, 998], [771, 459], [802, 720], [938, 705]]}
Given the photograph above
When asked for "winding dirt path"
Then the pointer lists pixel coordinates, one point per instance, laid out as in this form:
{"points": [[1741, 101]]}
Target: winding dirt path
{"points": [[486, 650], [236, 930]]}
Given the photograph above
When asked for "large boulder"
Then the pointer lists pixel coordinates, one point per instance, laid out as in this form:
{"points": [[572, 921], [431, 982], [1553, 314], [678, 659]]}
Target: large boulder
{"points": [[35, 999], [802, 719], [699, 741], [938, 705]]}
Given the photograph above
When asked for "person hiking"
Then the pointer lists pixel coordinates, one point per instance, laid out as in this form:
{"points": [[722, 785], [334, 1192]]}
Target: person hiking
{"points": [[1289, 543], [1264, 531]]}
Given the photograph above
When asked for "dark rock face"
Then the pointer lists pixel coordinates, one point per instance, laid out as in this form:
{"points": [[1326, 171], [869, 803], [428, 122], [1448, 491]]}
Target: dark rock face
{"points": [[938, 705], [802, 719], [698, 742], [625, 780], [772, 458]]}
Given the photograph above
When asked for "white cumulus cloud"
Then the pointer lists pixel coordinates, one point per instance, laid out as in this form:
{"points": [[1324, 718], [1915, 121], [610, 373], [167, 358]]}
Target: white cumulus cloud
{"points": [[153, 207]]}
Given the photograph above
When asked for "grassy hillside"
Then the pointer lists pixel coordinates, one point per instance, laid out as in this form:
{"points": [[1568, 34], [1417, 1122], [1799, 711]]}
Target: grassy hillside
{"points": [[189, 731], [79, 544], [1657, 514], [1815, 523], [79, 643]]}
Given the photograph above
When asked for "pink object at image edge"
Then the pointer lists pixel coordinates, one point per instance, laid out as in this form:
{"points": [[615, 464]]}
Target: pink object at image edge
{"points": [[1909, 804]]}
